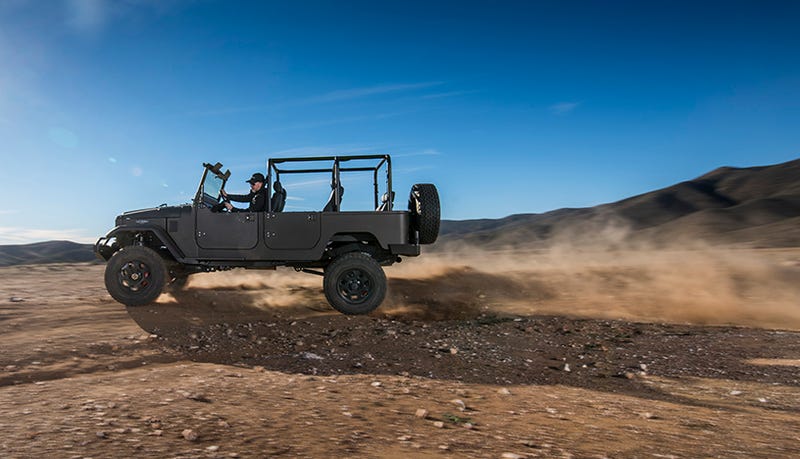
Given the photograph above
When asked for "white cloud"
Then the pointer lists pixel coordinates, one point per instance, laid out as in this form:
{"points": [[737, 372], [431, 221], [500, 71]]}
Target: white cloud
{"points": [[356, 93], [425, 152], [18, 235], [440, 95], [323, 150], [563, 108], [333, 121], [333, 96]]}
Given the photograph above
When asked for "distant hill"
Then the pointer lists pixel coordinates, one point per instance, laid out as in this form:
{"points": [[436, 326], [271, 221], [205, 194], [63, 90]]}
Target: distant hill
{"points": [[755, 206], [45, 252]]}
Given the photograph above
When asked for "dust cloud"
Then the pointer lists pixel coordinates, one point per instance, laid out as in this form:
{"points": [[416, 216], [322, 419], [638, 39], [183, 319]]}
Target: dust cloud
{"points": [[687, 283]]}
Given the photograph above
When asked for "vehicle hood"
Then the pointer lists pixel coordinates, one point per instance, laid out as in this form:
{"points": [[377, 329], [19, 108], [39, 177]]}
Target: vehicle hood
{"points": [[151, 213]]}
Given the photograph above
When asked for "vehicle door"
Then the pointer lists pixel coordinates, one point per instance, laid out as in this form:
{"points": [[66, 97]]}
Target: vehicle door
{"points": [[222, 230], [292, 230]]}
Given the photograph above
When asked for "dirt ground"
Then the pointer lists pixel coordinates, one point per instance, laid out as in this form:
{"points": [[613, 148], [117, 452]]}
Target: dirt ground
{"points": [[639, 354]]}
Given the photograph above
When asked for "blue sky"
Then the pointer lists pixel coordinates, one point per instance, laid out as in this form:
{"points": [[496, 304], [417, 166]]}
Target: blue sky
{"points": [[509, 107]]}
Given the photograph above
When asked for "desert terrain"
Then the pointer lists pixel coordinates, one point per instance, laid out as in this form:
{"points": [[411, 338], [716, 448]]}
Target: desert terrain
{"points": [[691, 352]]}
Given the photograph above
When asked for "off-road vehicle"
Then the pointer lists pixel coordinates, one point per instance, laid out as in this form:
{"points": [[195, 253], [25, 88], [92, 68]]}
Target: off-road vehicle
{"points": [[155, 249]]}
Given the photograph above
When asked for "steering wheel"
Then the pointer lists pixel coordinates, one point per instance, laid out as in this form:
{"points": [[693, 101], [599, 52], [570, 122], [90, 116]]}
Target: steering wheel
{"points": [[220, 206]]}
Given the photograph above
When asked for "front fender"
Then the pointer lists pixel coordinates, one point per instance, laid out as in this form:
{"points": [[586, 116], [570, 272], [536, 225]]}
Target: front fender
{"points": [[104, 248]]}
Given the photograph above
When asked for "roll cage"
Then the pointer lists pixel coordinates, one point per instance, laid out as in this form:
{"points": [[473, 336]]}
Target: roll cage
{"points": [[278, 166]]}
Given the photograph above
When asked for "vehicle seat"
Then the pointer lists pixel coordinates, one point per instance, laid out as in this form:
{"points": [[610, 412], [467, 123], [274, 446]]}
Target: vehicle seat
{"points": [[333, 204], [278, 197], [385, 202]]}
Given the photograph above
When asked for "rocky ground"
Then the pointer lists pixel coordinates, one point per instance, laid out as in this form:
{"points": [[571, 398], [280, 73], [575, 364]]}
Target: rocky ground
{"points": [[256, 365]]}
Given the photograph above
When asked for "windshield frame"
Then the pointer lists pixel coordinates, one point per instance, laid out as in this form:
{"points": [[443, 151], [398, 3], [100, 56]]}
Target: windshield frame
{"points": [[215, 171]]}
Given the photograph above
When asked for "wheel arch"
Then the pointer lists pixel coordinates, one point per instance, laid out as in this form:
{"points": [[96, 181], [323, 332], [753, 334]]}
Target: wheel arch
{"points": [[150, 236], [341, 243]]}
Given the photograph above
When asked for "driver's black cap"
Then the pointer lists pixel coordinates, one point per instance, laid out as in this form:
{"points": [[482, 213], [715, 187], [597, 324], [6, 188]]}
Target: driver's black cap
{"points": [[257, 177]]}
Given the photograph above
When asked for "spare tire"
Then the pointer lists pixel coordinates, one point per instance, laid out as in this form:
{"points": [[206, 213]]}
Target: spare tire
{"points": [[423, 203]]}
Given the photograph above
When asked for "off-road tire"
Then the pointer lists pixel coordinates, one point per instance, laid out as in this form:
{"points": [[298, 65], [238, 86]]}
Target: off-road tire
{"points": [[354, 283], [423, 203], [135, 276]]}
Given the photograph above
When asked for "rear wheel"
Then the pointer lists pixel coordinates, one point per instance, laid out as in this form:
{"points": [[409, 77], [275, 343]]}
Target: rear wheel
{"points": [[423, 203], [354, 283], [135, 276]]}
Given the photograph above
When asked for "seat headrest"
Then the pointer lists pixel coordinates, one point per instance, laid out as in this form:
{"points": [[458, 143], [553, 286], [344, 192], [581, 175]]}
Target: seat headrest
{"points": [[277, 186]]}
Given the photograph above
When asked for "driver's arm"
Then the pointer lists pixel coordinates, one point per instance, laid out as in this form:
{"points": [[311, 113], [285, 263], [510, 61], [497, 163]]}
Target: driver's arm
{"points": [[238, 197]]}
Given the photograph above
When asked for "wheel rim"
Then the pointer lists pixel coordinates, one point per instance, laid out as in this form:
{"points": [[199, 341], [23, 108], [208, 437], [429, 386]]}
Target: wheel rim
{"points": [[135, 275], [354, 286]]}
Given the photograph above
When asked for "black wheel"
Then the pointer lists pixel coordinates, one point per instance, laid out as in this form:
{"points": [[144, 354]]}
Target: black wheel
{"points": [[354, 283], [425, 212], [135, 276]]}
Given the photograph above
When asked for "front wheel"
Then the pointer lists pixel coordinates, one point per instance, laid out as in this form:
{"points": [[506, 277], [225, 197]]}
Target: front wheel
{"points": [[354, 283], [135, 276]]}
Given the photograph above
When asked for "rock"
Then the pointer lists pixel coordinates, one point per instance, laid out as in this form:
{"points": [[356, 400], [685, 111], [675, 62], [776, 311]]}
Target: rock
{"points": [[376, 384], [311, 356], [454, 350], [511, 456], [189, 434], [643, 367], [101, 434], [16, 299], [438, 424], [421, 413], [459, 403], [566, 368], [404, 438], [504, 391], [212, 448], [736, 392]]}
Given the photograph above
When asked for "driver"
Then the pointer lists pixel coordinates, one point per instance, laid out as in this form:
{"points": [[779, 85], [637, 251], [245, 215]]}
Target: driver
{"points": [[257, 196]]}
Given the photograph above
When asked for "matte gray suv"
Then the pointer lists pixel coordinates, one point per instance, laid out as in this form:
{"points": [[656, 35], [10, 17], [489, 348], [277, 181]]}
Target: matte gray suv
{"points": [[157, 249]]}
